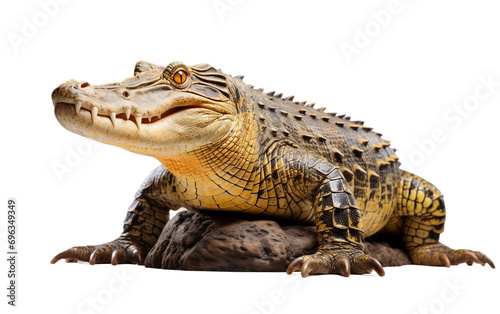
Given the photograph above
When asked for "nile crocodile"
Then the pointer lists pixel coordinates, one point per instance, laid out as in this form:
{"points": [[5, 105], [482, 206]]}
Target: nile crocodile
{"points": [[225, 146]]}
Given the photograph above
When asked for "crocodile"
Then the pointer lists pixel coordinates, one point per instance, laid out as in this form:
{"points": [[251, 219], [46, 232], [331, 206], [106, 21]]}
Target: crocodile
{"points": [[226, 146]]}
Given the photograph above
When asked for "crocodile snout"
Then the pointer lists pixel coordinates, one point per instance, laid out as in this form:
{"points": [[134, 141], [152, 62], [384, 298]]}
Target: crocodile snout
{"points": [[68, 91]]}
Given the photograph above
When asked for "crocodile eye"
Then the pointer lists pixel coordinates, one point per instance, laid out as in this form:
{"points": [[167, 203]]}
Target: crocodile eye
{"points": [[180, 77], [177, 75]]}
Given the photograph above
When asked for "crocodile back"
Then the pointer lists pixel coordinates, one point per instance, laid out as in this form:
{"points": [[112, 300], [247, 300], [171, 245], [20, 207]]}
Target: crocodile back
{"points": [[367, 161]]}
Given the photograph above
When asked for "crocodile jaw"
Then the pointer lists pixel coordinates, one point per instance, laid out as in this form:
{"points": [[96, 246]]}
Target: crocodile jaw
{"points": [[178, 124]]}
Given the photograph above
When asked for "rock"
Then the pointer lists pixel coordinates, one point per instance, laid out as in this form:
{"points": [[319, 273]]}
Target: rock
{"points": [[195, 241]]}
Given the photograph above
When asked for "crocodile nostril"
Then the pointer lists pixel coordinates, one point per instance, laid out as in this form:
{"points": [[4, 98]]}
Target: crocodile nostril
{"points": [[84, 84]]}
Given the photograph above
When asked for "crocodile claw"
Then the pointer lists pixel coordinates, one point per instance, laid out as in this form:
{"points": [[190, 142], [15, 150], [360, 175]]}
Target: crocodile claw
{"points": [[119, 251], [74, 254], [118, 256], [344, 267], [337, 261], [440, 255]]}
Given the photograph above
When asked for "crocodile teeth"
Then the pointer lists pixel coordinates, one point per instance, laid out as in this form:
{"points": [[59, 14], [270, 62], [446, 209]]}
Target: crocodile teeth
{"points": [[113, 118], [138, 120], [94, 114], [159, 116], [78, 106], [127, 113]]}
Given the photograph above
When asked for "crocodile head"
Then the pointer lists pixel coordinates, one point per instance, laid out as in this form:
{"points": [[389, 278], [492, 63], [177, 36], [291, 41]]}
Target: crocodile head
{"points": [[159, 112]]}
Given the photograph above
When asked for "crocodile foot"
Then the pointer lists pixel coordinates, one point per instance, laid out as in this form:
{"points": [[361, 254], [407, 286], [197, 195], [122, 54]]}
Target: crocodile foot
{"points": [[342, 259], [119, 251], [440, 255]]}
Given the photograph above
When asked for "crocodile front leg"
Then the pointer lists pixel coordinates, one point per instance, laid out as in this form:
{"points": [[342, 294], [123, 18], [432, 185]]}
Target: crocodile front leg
{"points": [[145, 220], [339, 225]]}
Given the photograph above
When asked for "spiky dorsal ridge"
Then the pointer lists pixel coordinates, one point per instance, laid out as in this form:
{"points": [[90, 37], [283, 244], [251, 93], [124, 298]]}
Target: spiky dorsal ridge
{"points": [[273, 95]]}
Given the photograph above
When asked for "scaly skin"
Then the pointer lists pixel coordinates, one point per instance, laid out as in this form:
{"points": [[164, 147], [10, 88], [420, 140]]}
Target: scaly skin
{"points": [[225, 146]]}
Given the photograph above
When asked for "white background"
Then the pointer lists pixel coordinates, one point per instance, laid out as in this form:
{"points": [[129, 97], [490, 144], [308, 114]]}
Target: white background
{"points": [[408, 71]]}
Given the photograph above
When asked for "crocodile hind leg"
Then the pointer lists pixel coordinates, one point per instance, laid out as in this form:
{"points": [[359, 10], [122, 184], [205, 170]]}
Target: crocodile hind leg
{"points": [[421, 215], [340, 229], [145, 219]]}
